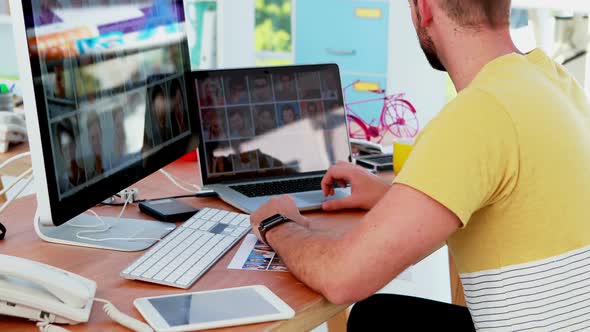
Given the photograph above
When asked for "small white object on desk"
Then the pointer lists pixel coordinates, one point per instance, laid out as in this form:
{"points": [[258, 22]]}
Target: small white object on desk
{"points": [[13, 128]]}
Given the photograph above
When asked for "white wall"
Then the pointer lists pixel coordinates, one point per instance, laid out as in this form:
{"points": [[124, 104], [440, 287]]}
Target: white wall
{"points": [[8, 62], [409, 70], [236, 25]]}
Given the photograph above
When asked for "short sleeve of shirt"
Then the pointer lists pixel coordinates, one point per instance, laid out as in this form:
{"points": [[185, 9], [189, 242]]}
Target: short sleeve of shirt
{"points": [[467, 157]]}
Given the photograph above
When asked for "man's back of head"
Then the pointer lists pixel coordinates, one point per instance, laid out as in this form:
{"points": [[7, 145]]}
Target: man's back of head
{"points": [[478, 14], [461, 36]]}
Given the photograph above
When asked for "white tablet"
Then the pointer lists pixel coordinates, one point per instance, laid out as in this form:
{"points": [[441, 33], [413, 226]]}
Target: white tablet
{"points": [[213, 309]]}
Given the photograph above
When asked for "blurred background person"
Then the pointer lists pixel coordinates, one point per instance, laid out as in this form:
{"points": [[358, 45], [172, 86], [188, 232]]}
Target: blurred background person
{"points": [[285, 87], [265, 119], [73, 175], [246, 161], [214, 125], [330, 85], [179, 114], [120, 144], [289, 113], [309, 85], [240, 123], [98, 164], [311, 110], [261, 89], [211, 93], [159, 108], [238, 93]]}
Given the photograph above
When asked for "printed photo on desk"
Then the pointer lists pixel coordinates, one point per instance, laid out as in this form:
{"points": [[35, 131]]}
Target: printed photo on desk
{"points": [[254, 255]]}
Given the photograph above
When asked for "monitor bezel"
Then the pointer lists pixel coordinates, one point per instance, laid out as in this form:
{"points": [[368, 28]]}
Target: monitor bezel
{"points": [[50, 209], [248, 176]]}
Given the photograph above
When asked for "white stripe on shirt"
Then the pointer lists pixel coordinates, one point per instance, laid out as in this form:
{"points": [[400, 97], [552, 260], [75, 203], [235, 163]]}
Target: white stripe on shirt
{"points": [[546, 295]]}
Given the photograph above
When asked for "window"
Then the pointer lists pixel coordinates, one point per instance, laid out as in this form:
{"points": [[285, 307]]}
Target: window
{"points": [[273, 35]]}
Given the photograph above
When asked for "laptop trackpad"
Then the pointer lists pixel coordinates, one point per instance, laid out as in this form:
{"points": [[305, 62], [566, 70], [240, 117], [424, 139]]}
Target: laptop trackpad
{"points": [[318, 196]]}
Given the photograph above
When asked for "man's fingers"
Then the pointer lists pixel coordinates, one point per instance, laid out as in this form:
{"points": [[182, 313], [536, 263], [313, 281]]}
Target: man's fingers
{"points": [[339, 204], [338, 173]]}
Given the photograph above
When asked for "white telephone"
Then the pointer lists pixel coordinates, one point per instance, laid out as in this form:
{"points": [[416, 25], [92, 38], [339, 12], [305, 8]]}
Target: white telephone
{"points": [[48, 295]]}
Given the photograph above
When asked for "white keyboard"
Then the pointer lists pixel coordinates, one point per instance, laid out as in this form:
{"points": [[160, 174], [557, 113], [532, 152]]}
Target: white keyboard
{"points": [[190, 250]]}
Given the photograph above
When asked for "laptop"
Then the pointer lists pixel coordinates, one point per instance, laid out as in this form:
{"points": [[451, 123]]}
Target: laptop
{"points": [[271, 131]]}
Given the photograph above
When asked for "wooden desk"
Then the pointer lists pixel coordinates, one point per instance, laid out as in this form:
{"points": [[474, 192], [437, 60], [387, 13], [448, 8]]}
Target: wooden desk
{"points": [[104, 266]]}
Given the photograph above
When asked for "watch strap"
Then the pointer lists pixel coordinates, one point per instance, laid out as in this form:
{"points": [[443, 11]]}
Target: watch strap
{"points": [[269, 223]]}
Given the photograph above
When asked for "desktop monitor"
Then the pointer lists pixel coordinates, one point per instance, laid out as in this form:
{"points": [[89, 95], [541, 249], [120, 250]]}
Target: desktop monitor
{"points": [[108, 100]]}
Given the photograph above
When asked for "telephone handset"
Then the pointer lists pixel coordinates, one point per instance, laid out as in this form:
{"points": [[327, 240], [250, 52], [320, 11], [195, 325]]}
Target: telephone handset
{"points": [[46, 294]]}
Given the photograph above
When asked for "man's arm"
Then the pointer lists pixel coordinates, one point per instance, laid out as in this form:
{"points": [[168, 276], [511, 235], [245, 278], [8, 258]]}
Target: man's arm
{"points": [[401, 229]]}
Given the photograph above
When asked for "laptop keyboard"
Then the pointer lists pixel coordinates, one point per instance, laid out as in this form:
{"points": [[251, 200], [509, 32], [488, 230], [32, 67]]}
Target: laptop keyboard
{"points": [[382, 160], [279, 187]]}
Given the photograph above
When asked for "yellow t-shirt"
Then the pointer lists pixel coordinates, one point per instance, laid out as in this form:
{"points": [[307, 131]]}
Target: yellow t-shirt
{"points": [[510, 156]]}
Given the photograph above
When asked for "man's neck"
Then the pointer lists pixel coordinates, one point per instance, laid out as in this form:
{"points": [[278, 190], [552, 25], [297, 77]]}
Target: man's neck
{"points": [[466, 56]]}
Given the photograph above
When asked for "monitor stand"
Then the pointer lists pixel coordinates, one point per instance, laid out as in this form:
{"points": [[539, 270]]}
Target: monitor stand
{"points": [[85, 230]]}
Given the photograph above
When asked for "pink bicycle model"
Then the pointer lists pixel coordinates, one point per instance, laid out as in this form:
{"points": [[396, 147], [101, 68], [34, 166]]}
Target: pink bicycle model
{"points": [[398, 117]]}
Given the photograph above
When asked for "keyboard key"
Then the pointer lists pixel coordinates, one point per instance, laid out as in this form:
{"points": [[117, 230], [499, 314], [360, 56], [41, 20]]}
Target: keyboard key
{"points": [[207, 226], [230, 217], [186, 253], [220, 215]]}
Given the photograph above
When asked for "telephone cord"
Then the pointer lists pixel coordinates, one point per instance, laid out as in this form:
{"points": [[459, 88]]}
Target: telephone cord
{"points": [[112, 312], [47, 327], [123, 319]]}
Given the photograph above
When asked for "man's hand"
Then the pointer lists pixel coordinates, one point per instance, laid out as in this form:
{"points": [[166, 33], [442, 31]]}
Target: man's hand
{"points": [[367, 188], [284, 205]]}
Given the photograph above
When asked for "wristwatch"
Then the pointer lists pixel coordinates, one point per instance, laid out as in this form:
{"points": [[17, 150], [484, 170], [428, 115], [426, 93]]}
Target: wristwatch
{"points": [[270, 223]]}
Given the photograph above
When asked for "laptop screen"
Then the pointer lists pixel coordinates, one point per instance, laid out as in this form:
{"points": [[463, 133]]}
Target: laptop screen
{"points": [[270, 121]]}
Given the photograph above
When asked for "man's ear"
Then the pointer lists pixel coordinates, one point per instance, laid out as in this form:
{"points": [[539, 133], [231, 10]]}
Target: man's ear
{"points": [[425, 12]]}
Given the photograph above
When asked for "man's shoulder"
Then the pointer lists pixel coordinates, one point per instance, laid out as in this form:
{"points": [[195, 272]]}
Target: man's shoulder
{"points": [[473, 107]]}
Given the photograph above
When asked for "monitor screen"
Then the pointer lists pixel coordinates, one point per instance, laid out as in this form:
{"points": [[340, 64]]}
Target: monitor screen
{"points": [[112, 94], [270, 121]]}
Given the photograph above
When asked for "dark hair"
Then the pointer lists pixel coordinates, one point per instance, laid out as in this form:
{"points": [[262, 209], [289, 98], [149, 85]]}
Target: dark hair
{"points": [[478, 13], [175, 86], [157, 90], [235, 82]]}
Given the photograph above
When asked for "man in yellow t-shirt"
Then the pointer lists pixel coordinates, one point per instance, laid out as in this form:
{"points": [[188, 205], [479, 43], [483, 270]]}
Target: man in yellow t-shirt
{"points": [[502, 175]]}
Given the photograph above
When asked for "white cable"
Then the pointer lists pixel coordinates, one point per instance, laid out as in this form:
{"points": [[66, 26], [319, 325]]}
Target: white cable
{"points": [[27, 182], [102, 223], [113, 313], [122, 318], [47, 327], [16, 181], [183, 181], [127, 201], [10, 160], [175, 181], [108, 227]]}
